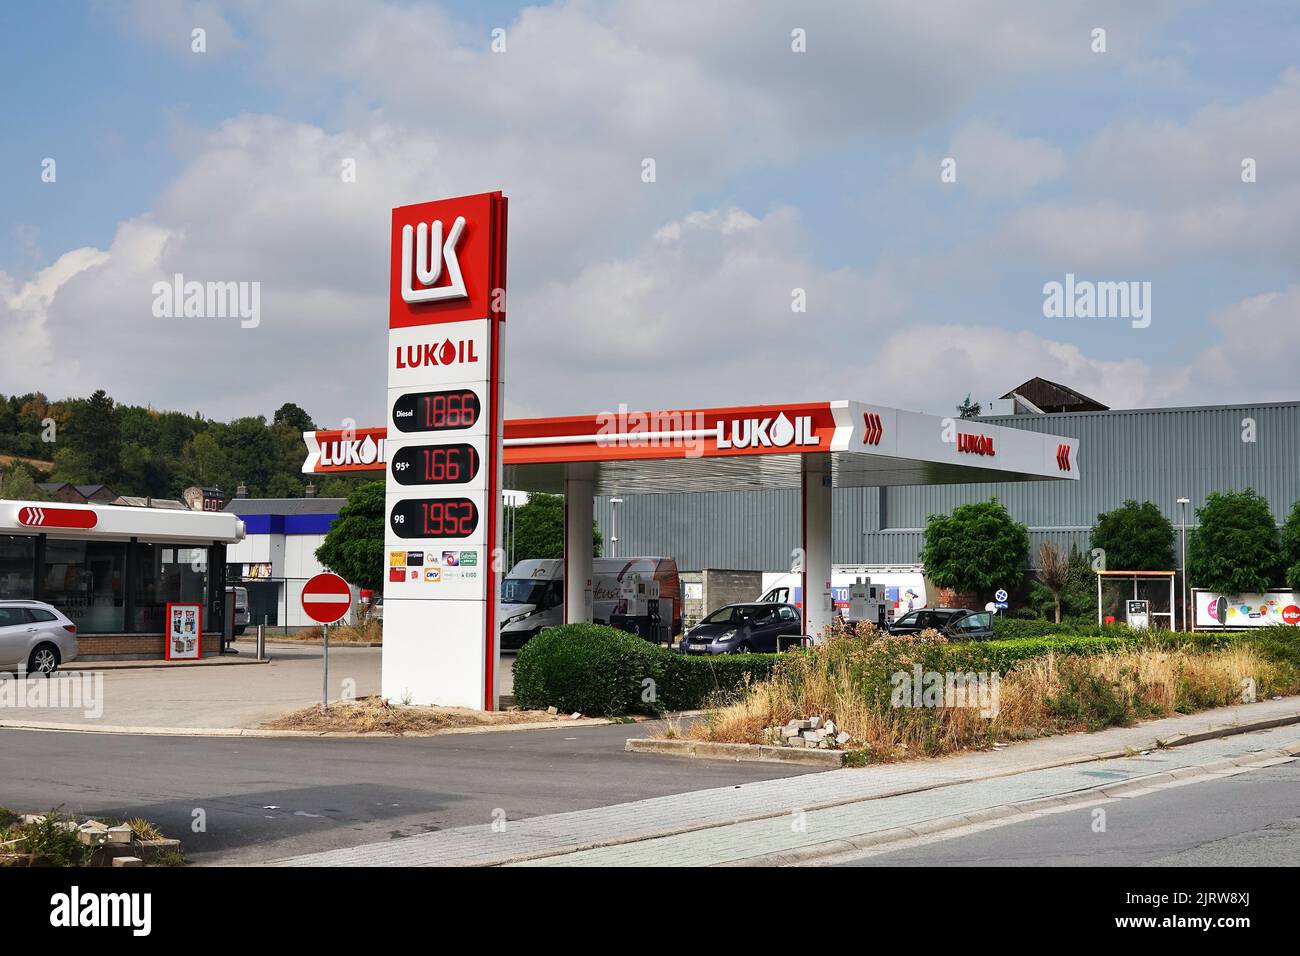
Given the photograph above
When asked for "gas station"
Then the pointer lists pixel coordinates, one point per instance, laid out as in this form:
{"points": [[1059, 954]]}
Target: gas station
{"points": [[446, 433]]}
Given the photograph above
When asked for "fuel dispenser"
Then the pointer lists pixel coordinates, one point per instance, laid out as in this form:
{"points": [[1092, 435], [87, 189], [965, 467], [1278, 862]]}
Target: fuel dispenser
{"points": [[867, 602], [638, 609], [1138, 614]]}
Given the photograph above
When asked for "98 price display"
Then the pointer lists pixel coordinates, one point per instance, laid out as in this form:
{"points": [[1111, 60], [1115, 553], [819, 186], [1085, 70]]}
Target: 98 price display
{"points": [[434, 518]]}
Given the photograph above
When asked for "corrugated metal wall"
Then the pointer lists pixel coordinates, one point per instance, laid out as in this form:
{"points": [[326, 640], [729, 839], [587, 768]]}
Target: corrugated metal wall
{"points": [[1149, 455]]}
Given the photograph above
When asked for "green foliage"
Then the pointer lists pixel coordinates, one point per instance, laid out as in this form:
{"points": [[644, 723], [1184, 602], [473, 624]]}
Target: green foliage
{"points": [[606, 672], [539, 528], [1078, 598], [19, 484], [140, 451], [354, 546], [52, 838], [1236, 549], [979, 547], [1135, 537], [1290, 540]]}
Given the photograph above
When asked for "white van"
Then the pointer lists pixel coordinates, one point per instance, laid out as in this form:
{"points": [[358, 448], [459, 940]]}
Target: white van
{"points": [[905, 586], [532, 594]]}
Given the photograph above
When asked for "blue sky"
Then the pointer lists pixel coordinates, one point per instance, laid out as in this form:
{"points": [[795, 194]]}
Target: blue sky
{"points": [[775, 170]]}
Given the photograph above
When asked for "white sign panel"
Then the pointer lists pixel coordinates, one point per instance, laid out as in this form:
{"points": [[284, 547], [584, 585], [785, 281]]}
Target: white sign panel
{"points": [[1246, 610]]}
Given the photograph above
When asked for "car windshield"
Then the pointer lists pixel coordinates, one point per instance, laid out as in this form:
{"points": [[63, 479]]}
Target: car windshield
{"points": [[522, 591], [737, 614]]}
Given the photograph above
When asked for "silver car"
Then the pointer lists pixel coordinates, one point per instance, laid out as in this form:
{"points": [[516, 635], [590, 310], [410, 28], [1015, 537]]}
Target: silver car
{"points": [[35, 637]]}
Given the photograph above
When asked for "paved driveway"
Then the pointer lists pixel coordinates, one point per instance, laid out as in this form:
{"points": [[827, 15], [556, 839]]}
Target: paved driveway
{"points": [[225, 695]]}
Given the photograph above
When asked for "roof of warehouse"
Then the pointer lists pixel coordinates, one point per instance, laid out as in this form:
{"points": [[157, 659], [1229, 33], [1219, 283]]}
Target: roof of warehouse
{"points": [[285, 506]]}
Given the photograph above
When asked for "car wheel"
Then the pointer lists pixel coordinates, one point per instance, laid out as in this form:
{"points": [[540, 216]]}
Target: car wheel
{"points": [[743, 648], [44, 660], [239, 631]]}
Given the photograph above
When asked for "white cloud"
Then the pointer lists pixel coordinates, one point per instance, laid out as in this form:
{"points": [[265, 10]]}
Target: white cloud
{"points": [[993, 163]]}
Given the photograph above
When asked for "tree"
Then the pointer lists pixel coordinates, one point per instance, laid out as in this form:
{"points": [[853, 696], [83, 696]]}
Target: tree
{"points": [[20, 485], [1053, 572], [1135, 537], [94, 434], [1078, 599], [1235, 549], [1291, 547], [294, 417], [979, 547], [204, 462], [539, 529], [354, 546]]}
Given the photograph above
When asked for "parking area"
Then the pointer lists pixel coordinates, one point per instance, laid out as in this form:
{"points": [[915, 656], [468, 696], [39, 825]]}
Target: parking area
{"points": [[219, 696]]}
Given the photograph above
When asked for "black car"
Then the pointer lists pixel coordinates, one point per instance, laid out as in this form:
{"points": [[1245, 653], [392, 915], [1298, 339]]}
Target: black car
{"points": [[742, 628], [954, 622]]}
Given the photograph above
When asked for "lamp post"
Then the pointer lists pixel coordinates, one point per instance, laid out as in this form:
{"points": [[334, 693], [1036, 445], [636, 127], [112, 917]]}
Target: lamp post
{"points": [[613, 526], [1182, 526]]}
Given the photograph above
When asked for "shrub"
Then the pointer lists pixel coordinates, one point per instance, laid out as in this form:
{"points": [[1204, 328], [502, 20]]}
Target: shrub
{"points": [[1236, 549], [606, 672]]}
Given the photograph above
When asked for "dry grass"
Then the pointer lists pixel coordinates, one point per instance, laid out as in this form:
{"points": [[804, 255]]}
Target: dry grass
{"points": [[367, 632], [848, 680], [374, 715]]}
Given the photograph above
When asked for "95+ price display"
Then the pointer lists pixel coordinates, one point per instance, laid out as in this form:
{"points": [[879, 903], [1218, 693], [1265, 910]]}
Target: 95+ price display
{"points": [[437, 411], [435, 464], [434, 518]]}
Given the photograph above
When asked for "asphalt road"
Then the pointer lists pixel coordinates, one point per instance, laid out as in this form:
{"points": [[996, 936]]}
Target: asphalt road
{"points": [[264, 798], [1250, 819]]}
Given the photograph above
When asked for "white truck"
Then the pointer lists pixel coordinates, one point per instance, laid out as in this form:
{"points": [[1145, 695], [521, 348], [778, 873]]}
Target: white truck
{"points": [[532, 594], [904, 586]]}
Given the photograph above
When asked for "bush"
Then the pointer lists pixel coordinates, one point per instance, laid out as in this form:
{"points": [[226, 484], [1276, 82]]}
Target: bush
{"points": [[603, 672]]}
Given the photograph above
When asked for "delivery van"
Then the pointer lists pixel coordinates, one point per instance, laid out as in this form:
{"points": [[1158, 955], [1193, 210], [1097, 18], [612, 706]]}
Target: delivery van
{"points": [[532, 594], [905, 587]]}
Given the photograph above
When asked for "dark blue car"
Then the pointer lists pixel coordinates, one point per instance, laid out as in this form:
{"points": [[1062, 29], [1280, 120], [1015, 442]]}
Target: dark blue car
{"points": [[745, 628]]}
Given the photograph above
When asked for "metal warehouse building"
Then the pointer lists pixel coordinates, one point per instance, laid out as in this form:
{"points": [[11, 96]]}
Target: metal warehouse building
{"points": [[1148, 454]]}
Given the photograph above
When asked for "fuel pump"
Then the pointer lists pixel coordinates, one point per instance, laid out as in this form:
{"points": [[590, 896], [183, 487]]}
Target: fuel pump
{"points": [[1137, 614], [638, 609], [867, 602]]}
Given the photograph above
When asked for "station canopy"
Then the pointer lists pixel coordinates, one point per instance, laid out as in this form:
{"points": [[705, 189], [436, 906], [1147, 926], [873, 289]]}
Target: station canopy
{"points": [[745, 448]]}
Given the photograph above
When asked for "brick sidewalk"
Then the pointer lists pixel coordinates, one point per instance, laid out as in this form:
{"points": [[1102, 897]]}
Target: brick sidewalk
{"points": [[802, 830], [616, 829]]}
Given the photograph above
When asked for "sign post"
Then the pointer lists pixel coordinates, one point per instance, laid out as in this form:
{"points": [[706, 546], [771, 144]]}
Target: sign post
{"points": [[326, 598], [444, 452]]}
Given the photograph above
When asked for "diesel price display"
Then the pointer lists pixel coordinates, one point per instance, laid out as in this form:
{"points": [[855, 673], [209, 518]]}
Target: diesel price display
{"points": [[437, 411]]}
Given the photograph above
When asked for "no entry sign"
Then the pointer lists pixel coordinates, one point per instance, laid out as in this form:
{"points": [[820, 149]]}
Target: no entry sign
{"points": [[326, 598]]}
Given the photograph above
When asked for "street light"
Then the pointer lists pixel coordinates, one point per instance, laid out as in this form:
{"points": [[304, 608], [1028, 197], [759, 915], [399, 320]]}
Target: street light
{"points": [[613, 526], [1182, 525]]}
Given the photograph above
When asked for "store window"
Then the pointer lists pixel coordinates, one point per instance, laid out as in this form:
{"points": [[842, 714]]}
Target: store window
{"points": [[167, 573], [17, 566], [86, 581]]}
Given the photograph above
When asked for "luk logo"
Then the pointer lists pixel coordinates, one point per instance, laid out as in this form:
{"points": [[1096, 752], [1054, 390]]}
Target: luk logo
{"points": [[419, 273], [357, 451], [975, 444], [767, 432], [431, 353]]}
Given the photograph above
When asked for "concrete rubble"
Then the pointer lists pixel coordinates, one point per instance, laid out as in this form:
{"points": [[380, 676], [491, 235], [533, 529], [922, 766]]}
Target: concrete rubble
{"points": [[812, 732]]}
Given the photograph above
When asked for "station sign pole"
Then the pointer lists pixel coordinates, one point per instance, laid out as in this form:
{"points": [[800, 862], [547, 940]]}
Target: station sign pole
{"points": [[444, 452]]}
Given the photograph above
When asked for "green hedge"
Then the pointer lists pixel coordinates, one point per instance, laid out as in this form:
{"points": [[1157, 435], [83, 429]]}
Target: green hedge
{"points": [[603, 672]]}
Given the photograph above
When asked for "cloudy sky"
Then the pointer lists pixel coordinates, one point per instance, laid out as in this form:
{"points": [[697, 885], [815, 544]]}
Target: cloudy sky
{"points": [[775, 170]]}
